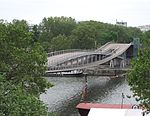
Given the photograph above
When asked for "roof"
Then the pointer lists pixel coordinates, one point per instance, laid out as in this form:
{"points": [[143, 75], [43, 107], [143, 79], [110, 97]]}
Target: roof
{"points": [[98, 105], [114, 112]]}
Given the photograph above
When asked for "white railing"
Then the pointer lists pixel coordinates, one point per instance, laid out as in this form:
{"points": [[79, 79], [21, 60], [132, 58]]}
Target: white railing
{"points": [[66, 51]]}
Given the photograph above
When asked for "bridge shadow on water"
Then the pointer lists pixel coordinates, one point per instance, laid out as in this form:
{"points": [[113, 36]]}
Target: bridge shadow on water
{"points": [[100, 89]]}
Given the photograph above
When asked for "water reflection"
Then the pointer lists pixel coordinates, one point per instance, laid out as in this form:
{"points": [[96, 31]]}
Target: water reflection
{"points": [[65, 95], [110, 92]]}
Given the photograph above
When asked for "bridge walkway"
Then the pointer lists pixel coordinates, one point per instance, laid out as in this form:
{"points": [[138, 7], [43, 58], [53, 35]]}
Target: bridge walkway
{"points": [[117, 49]]}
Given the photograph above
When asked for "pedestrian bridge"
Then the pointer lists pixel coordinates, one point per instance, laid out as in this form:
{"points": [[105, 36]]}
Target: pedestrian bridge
{"points": [[110, 55]]}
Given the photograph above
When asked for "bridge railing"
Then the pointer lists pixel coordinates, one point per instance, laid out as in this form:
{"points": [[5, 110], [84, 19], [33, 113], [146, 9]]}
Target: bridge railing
{"points": [[73, 57], [60, 67], [79, 64], [83, 65], [67, 51]]}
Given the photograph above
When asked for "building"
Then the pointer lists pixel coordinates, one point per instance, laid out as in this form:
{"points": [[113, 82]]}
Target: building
{"points": [[121, 23], [144, 28]]}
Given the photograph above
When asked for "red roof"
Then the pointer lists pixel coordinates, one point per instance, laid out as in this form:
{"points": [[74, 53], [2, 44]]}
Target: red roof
{"points": [[97, 105]]}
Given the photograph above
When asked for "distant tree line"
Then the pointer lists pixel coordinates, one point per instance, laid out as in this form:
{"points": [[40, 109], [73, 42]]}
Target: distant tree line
{"points": [[57, 33]]}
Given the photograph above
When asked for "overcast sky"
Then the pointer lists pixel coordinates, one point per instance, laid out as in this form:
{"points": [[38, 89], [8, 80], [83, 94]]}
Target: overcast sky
{"points": [[134, 12]]}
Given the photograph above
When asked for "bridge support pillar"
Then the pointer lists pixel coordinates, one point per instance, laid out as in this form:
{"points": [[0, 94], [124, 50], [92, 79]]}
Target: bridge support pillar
{"points": [[87, 59], [95, 57], [92, 58], [71, 62], [122, 63], [98, 57], [77, 61], [83, 60], [111, 64]]}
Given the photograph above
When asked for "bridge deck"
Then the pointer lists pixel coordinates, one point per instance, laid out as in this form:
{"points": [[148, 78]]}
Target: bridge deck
{"points": [[114, 48]]}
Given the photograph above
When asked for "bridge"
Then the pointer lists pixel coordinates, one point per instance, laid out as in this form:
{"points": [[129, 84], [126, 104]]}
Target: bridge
{"points": [[109, 56]]}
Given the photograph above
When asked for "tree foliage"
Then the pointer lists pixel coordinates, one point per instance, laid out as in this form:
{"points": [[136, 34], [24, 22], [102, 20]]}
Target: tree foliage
{"points": [[139, 77], [21, 60], [82, 34], [60, 42], [54, 26], [15, 101], [35, 33], [22, 63]]}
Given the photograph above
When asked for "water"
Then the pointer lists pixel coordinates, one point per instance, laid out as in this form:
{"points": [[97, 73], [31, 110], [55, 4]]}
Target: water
{"points": [[65, 95]]}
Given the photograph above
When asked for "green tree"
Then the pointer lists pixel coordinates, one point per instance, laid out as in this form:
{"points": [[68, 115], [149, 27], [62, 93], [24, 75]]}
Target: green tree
{"points": [[22, 63], [35, 33], [58, 25], [15, 101], [139, 76], [146, 38], [61, 42], [83, 36], [21, 60], [54, 26]]}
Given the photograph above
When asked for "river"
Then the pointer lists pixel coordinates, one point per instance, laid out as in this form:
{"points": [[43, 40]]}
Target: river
{"points": [[66, 94]]}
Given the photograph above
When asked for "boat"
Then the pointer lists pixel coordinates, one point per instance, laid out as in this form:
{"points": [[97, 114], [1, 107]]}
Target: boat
{"points": [[85, 107], [72, 73], [97, 109]]}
